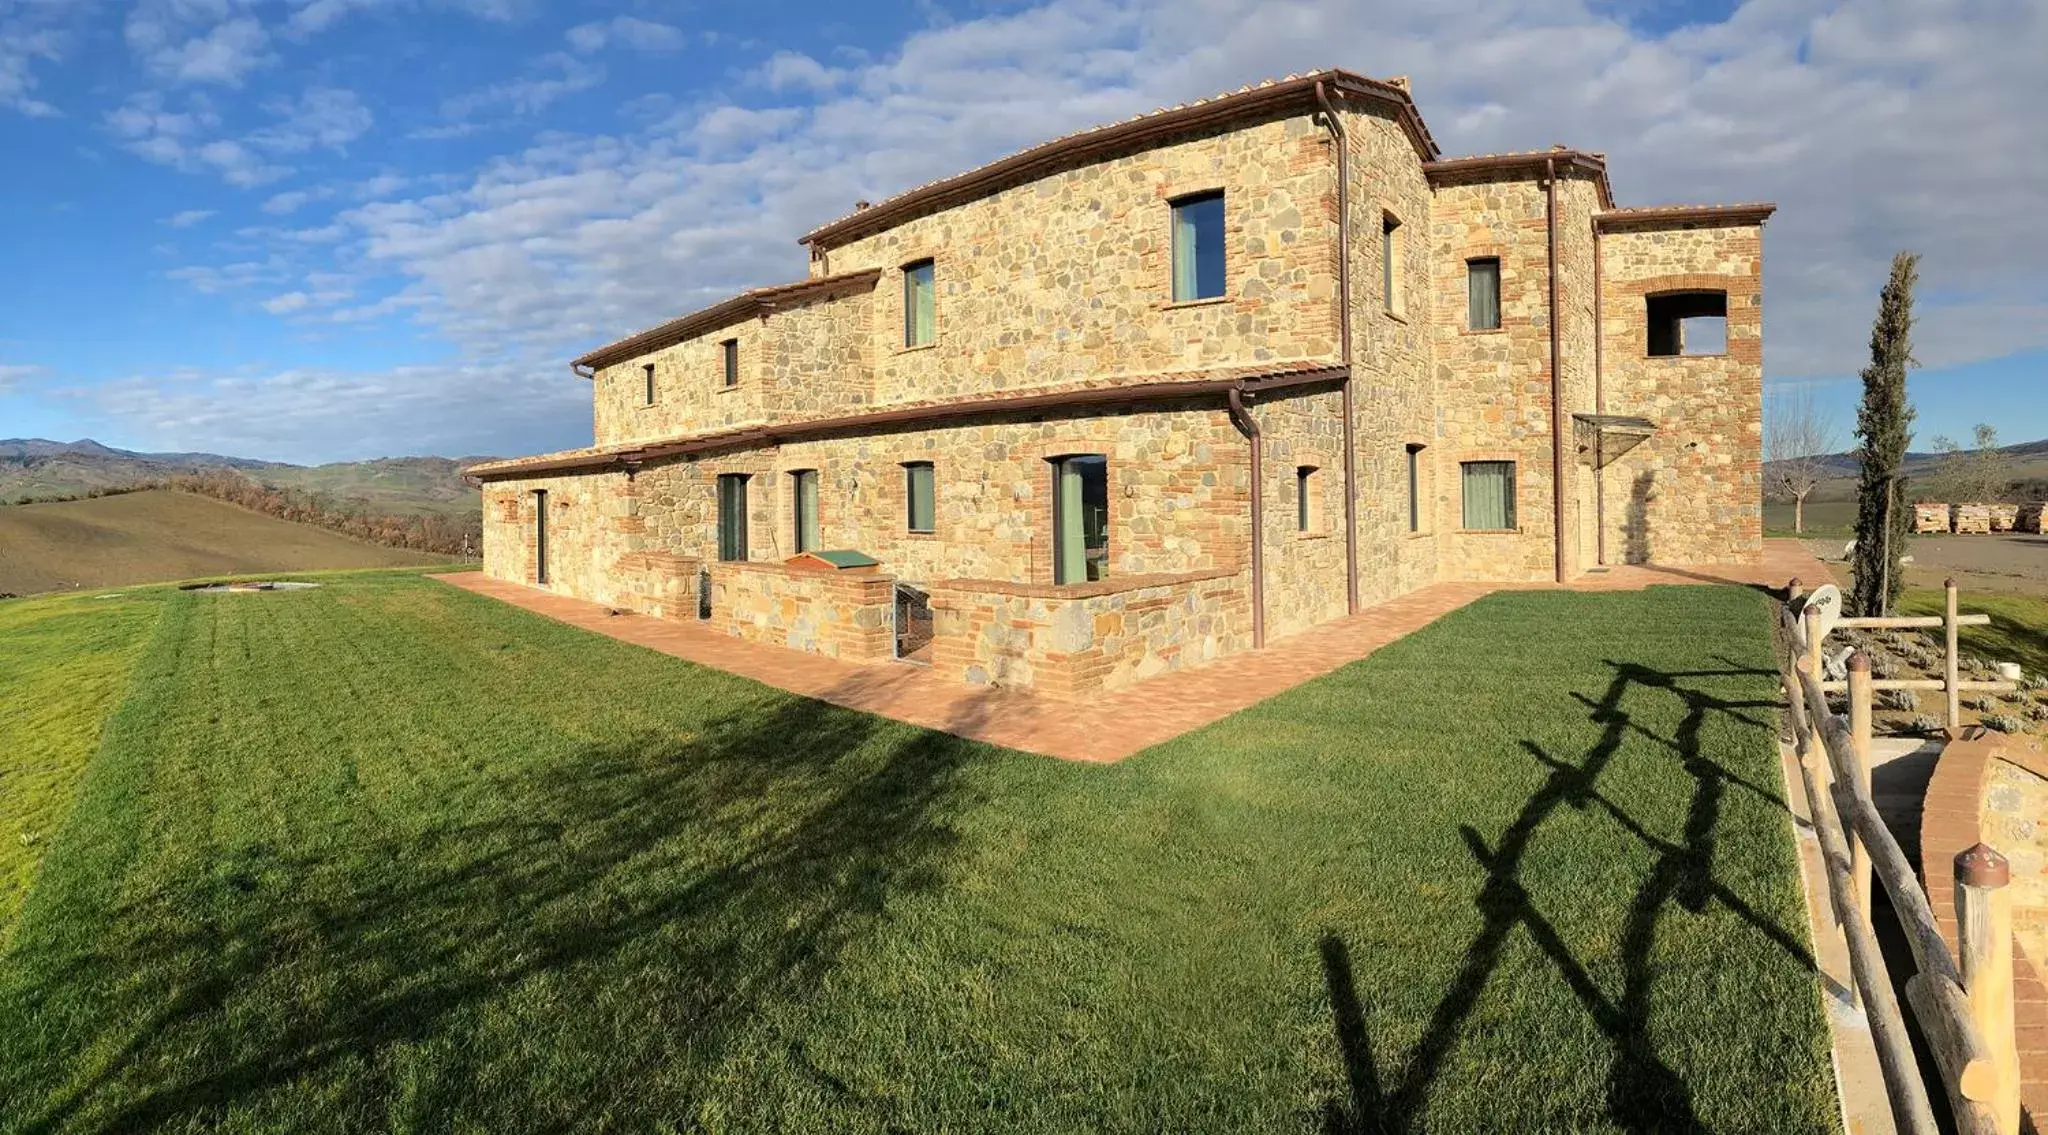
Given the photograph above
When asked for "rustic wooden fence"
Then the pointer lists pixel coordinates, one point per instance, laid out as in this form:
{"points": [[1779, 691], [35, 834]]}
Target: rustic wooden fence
{"points": [[1964, 1007]]}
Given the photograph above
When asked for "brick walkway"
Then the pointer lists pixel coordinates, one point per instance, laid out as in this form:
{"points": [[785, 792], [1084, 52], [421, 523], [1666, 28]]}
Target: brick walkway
{"points": [[1107, 728]]}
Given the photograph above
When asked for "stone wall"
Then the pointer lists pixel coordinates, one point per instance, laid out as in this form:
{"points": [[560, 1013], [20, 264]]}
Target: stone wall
{"points": [[1304, 569], [812, 358], [1692, 493], [597, 548], [1070, 277], [839, 614], [1395, 398], [1179, 494], [1074, 641]]}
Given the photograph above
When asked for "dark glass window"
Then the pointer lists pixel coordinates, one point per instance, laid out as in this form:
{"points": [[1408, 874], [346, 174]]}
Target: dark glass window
{"points": [[1482, 294], [647, 373], [804, 502], [732, 516], [919, 304], [731, 350], [540, 536]]}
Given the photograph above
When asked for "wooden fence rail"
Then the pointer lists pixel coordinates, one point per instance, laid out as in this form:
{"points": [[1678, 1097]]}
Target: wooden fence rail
{"points": [[1964, 1010]]}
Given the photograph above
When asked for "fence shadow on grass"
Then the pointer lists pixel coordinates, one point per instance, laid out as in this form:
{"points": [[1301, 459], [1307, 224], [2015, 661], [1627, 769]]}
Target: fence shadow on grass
{"points": [[1644, 1093], [673, 885]]}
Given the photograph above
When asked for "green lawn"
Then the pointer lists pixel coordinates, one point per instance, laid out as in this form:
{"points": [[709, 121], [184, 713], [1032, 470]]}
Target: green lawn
{"points": [[2018, 630], [390, 856]]}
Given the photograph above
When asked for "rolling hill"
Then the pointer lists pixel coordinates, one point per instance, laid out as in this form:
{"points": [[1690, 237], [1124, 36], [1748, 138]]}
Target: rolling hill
{"points": [[39, 469], [2029, 462], [158, 535]]}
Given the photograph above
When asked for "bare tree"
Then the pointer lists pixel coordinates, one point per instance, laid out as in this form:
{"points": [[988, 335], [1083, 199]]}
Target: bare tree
{"points": [[1799, 437], [1984, 473]]}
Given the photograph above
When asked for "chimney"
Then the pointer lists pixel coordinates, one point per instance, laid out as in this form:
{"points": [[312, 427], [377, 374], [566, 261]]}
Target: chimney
{"points": [[860, 206], [1400, 81]]}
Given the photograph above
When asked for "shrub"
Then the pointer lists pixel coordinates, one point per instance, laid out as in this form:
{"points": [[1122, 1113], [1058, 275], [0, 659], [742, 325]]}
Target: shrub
{"points": [[2003, 722], [1926, 724], [1903, 700]]}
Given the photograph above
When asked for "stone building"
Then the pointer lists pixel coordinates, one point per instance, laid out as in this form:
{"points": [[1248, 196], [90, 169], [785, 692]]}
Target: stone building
{"points": [[1151, 394]]}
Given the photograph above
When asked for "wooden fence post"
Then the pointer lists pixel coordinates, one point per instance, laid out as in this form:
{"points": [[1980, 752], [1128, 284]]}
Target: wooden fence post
{"points": [[1813, 667], [1950, 671], [1984, 941], [1859, 741]]}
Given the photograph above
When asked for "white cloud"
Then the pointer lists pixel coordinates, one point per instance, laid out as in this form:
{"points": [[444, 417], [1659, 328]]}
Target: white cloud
{"points": [[30, 34], [290, 201], [627, 32], [326, 117], [224, 53], [286, 303], [14, 375], [529, 95], [1874, 125], [187, 218]]}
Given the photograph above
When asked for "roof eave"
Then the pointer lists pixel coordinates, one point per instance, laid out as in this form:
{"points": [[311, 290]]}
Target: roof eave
{"points": [[725, 313], [1035, 162], [1657, 217]]}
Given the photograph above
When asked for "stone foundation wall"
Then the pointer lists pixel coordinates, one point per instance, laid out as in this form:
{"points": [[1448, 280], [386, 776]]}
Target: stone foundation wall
{"points": [[1693, 492], [839, 614], [597, 547], [1071, 642]]}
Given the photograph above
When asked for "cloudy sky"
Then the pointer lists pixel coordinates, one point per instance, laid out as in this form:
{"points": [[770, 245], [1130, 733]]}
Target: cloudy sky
{"points": [[329, 229]]}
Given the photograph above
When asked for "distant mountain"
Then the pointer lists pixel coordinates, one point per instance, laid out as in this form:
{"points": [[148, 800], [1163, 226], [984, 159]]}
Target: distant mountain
{"points": [[2029, 462], [40, 469]]}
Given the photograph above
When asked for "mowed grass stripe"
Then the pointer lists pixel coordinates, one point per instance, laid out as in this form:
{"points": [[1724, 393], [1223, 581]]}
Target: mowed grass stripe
{"points": [[64, 665], [389, 856]]}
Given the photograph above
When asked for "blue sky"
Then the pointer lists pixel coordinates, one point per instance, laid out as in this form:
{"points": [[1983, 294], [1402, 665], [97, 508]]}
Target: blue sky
{"points": [[330, 229]]}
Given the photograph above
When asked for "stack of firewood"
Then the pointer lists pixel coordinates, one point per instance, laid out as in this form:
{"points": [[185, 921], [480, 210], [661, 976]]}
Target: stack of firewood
{"points": [[2030, 516], [1973, 520], [2004, 517], [1930, 516]]}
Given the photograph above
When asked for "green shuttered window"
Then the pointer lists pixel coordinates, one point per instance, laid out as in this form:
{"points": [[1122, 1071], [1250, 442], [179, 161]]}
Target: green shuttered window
{"points": [[804, 497], [1489, 492], [922, 492], [919, 307]]}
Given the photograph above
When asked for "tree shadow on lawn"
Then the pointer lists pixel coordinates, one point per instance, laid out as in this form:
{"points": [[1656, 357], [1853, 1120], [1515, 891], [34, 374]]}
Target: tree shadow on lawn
{"points": [[670, 884], [1644, 1093]]}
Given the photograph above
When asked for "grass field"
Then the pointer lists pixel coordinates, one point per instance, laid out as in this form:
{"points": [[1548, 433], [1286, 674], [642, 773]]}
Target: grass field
{"points": [[2018, 630], [386, 855], [1823, 518], [158, 535]]}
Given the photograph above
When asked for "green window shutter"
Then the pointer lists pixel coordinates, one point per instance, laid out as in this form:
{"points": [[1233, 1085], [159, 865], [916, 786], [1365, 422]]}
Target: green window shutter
{"points": [[1489, 494], [923, 495], [806, 499], [919, 304], [1070, 544]]}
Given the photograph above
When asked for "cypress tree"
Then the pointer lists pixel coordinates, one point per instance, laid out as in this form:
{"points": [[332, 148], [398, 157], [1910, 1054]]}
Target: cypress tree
{"points": [[1884, 421]]}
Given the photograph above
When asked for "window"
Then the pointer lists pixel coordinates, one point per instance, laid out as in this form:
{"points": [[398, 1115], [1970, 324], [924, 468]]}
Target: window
{"points": [[1414, 488], [917, 304], [732, 516], [1489, 490], [1482, 294], [1080, 518], [1198, 247], [731, 350], [1304, 498], [540, 537], [1687, 323], [647, 373], [1390, 261], [804, 506], [922, 492]]}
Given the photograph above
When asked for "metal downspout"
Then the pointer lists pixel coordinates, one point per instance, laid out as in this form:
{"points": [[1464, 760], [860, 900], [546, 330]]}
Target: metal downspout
{"points": [[1599, 407], [1336, 130], [1556, 376], [1243, 418]]}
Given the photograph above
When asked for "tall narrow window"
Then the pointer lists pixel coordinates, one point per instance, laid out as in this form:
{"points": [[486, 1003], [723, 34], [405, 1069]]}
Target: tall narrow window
{"points": [[1304, 498], [732, 516], [730, 351], [1489, 492], [804, 502], [1080, 518], [1482, 294], [647, 376], [1390, 261], [921, 489], [1198, 247], [540, 537], [918, 304], [1414, 488]]}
